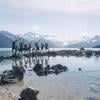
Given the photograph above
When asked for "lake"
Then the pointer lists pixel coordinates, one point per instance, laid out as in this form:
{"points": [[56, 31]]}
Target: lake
{"points": [[70, 85]]}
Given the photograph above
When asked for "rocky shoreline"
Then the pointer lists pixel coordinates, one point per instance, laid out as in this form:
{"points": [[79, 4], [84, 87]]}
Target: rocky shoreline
{"points": [[78, 53]]}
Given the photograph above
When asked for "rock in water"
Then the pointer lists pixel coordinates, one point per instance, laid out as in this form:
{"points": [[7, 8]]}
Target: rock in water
{"points": [[59, 67], [28, 94], [80, 69], [38, 67]]}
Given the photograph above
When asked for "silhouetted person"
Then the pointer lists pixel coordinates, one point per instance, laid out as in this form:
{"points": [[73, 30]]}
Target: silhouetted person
{"points": [[29, 47], [14, 44], [25, 48], [20, 48], [46, 46], [37, 46], [42, 47]]}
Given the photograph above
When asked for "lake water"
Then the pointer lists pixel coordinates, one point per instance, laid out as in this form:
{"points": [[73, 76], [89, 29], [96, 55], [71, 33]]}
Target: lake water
{"points": [[69, 85]]}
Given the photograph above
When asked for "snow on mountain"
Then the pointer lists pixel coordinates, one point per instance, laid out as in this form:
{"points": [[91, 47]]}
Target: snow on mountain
{"points": [[58, 41], [86, 42], [54, 41]]}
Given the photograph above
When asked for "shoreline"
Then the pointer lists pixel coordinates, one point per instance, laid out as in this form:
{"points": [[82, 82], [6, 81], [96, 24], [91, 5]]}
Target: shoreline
{"points": [[77, 53]]}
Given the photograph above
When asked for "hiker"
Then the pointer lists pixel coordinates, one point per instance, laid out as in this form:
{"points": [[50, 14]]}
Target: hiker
{"points": [[46, 46], [25, 48], [13, 46], [33, 48], [16, 47], [29, 47], [42, 47], [20, 48], [36, 46]]}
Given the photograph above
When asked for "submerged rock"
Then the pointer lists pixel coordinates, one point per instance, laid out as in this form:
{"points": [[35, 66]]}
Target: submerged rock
{"points": [[28, 94]]}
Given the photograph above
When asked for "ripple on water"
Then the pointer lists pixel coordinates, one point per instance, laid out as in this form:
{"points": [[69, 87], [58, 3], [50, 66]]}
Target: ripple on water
{"points": [[92, 98], [94, 87]]}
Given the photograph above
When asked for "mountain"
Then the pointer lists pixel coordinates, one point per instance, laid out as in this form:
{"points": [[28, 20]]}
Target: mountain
{"points": [[97, 46], [6, 39], [52, 40], [85, 42]]}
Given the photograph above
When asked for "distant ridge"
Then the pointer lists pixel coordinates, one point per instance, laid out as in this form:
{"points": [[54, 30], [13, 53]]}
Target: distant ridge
{"points": [[97, 46], [54, 41], [86, 43], [6, 39]]}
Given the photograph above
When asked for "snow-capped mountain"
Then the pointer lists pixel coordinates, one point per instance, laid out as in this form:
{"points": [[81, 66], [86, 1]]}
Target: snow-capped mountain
{"points": [[85, 42], [54, 41], [5, 39]]}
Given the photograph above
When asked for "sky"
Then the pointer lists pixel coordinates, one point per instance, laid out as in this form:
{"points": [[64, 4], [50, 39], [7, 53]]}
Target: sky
{"points": [[68, 18]]}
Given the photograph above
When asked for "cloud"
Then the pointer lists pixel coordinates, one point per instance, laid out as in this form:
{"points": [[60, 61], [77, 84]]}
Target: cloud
{"points": [[55, 5]]}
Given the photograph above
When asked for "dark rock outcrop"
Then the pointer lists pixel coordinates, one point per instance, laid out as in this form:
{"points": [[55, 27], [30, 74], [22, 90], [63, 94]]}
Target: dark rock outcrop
{"points": [[9, 75], [28, 94], [56, 69]]}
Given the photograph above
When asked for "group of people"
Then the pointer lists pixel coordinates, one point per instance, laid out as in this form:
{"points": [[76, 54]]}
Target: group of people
{"points": [[20, 47]]}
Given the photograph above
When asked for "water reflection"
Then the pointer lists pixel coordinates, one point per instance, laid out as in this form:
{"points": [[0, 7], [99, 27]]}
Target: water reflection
{"points": [[13, 75], [40, 65]]}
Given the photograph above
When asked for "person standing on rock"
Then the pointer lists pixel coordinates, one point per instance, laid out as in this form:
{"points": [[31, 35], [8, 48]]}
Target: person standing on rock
{"points": [[30, 46], [42, 47], [25, 48], [20, 48], [13, 46], [46, 46], [37, 46]]}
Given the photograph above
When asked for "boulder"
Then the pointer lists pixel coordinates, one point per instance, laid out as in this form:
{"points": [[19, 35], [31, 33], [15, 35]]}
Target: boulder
{"points": [[89, 53], [59, 67], [19, 72], [47, 68], [6, 76], [38, 67], [28, 94]]}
